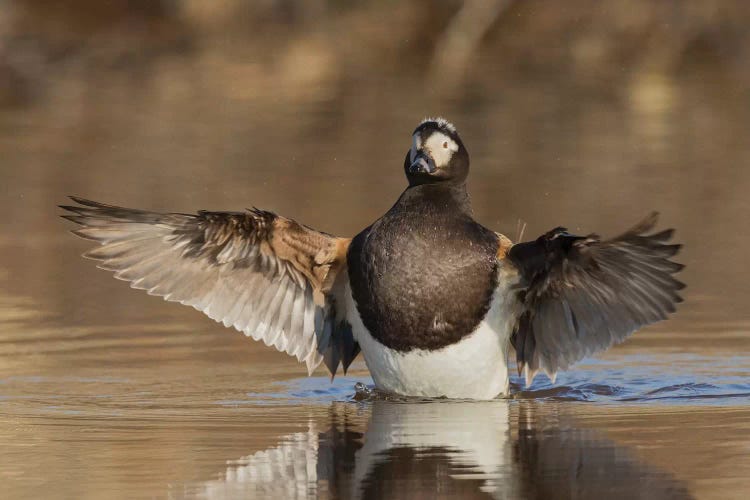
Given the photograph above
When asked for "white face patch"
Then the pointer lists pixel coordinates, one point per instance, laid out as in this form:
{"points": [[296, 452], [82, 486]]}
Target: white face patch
{"points": [[440, 147]]}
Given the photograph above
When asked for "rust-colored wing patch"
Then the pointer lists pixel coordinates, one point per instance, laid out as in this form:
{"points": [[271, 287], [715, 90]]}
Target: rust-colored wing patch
{"points": [[504, 246]]}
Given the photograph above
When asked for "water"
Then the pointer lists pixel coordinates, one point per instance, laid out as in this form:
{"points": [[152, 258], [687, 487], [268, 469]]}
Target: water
{"points": [[108, 393], [152, 433], [154, 411]]}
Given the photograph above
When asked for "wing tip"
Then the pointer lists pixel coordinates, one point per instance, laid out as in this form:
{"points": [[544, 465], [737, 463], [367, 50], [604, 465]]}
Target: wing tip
{"points": [[310, 370], [90, 203], [80, 200], [83, 210], [646, 224], [529, 375]]}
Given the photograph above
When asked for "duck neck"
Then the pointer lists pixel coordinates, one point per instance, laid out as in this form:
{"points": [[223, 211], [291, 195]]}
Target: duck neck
{"points": [[450, 196]]}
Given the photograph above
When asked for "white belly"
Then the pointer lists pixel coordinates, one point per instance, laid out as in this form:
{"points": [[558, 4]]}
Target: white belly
{"points": [[474, 368]]}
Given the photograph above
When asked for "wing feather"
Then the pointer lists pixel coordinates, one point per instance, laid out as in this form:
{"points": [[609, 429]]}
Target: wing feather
{"points": [[255, 271], [580, 294]]}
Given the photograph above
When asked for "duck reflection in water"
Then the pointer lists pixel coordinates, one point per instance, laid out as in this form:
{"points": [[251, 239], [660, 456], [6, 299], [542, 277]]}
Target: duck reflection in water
{"points": [[445, 449]]}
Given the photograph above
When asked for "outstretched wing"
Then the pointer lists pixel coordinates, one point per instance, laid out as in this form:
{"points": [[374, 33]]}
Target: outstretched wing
{"points": [[580, 295], [267, 276]]}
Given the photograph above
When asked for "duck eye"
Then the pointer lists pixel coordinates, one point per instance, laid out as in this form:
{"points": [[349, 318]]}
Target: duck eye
{"points": [[445, 144]]}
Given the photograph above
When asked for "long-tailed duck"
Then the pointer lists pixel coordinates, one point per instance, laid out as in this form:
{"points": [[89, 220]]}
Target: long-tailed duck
{"points": [[431, 298]]}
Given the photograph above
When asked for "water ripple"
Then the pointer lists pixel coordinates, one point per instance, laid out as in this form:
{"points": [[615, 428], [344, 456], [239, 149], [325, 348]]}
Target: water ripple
{"points": [[680, 379]]}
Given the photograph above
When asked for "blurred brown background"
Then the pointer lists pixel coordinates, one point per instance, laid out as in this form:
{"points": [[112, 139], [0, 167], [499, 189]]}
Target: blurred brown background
{"points": [[587, 114], [582, 113]]}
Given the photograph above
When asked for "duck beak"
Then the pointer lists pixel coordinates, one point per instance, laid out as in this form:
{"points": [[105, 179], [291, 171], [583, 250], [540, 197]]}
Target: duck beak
{"points": [[422, 164]]}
